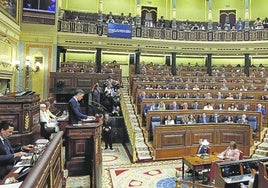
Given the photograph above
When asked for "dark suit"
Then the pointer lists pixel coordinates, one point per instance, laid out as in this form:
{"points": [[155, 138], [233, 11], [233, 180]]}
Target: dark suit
{"points": [[7, 161], [106, 135], [75, 113], [202, 149]]}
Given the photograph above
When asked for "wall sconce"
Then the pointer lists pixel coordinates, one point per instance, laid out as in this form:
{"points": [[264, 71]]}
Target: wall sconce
{"points": [[17, 65]]}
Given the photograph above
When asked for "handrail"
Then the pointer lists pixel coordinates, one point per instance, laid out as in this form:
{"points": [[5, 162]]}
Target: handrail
{"points": [[167, 33], [130, 128], [41, 170]]}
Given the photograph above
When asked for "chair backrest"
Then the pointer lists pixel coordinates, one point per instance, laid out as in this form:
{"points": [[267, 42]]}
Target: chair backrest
{"points": [[252, 120], [155, 119], [178, 120]]}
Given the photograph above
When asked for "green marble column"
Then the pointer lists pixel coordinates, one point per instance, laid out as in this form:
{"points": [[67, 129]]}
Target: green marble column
{"points": [[210, 26], [247, 15], [174, 15]]}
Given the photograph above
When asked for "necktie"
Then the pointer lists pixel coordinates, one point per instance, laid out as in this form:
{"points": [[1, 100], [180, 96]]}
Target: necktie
{"points": [[7, 148]]}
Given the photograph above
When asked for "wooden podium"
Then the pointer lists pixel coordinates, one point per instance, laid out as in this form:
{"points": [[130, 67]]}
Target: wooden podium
{"points": [[83, 151], [23, 112]]}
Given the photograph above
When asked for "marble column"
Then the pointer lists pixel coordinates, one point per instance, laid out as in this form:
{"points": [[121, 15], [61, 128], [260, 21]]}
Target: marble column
{"points": [[98, 60], [210, 26], [137, 61], [247, 15], [138, 14], [173, 65], [247, 64], [174, 15], [208, 64]]}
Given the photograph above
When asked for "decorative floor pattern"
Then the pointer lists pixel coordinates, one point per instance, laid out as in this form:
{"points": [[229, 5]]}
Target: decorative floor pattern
{"points": [[145, 175], [116, 157], [78, 182]]}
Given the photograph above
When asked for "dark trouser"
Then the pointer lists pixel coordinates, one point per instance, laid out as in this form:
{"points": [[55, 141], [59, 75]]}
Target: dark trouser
{"points": [[5, 170], [107, 138]]}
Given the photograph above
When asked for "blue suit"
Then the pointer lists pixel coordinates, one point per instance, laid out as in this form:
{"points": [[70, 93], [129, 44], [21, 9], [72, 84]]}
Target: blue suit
{"points": [[7, 160], [75, 113]]}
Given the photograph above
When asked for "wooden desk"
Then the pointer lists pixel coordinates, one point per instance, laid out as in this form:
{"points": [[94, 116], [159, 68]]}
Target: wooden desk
{"points": [[195, 163], [83, 151], [48, 170], [176, 141], [230, 174]]}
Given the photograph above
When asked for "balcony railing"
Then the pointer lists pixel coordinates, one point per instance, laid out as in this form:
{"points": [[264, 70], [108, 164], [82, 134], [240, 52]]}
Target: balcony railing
{"points": [[167, 33]]}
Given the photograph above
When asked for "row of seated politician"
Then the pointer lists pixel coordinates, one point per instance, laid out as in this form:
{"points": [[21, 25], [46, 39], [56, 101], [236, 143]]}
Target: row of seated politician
{"points": [[204, 118]]}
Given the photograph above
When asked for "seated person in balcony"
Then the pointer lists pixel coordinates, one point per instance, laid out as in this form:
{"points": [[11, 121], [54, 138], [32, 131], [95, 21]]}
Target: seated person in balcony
{"points": [[196, 87], [161, 22], [44, 118], [224, 87], [110, 20], [220, 107], [125, 21], [130, 19], [202, 27], [208, 96], [195, 27], [239, 25], [204, 118], [195, 105], [141, 96], [9, 156], [197, 95], [252, 87], [239, 96], [185, 106], [230, 96], [260, 108], [186, 95], [232, 107], [245, 107], [208, 107], [161, 105], [258, 24], [174, 106], [229, 119], [243, 119], [169, 120], [184, 119], [231, 153], [191, 119], [75, 113], [109, 15], [121, 17]]}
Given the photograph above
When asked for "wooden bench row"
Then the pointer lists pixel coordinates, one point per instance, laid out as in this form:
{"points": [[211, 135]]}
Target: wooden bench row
{"points": [[172, 142], [198, 113], [195, 95], [197, 79], [251, 105]]}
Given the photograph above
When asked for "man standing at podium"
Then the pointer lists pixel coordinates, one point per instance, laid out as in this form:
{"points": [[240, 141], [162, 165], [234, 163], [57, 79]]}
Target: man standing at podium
{"points": [[75, 113], [8, 157]]}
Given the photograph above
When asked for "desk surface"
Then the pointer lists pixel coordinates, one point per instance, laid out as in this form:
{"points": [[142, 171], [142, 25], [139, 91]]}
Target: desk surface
{"points": [[196, 160]]}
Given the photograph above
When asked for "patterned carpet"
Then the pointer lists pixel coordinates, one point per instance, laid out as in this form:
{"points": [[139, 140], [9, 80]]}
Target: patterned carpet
{"points": [[119, 172], [145, 175]]}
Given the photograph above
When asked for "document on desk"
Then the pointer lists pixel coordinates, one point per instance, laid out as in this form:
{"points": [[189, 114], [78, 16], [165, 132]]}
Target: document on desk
{"points": [[12, 185]]}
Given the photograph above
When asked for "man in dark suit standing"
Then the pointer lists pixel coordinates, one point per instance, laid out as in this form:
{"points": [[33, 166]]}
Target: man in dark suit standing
{"points": [[106, 132], [75, 113], [8, 157]]}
